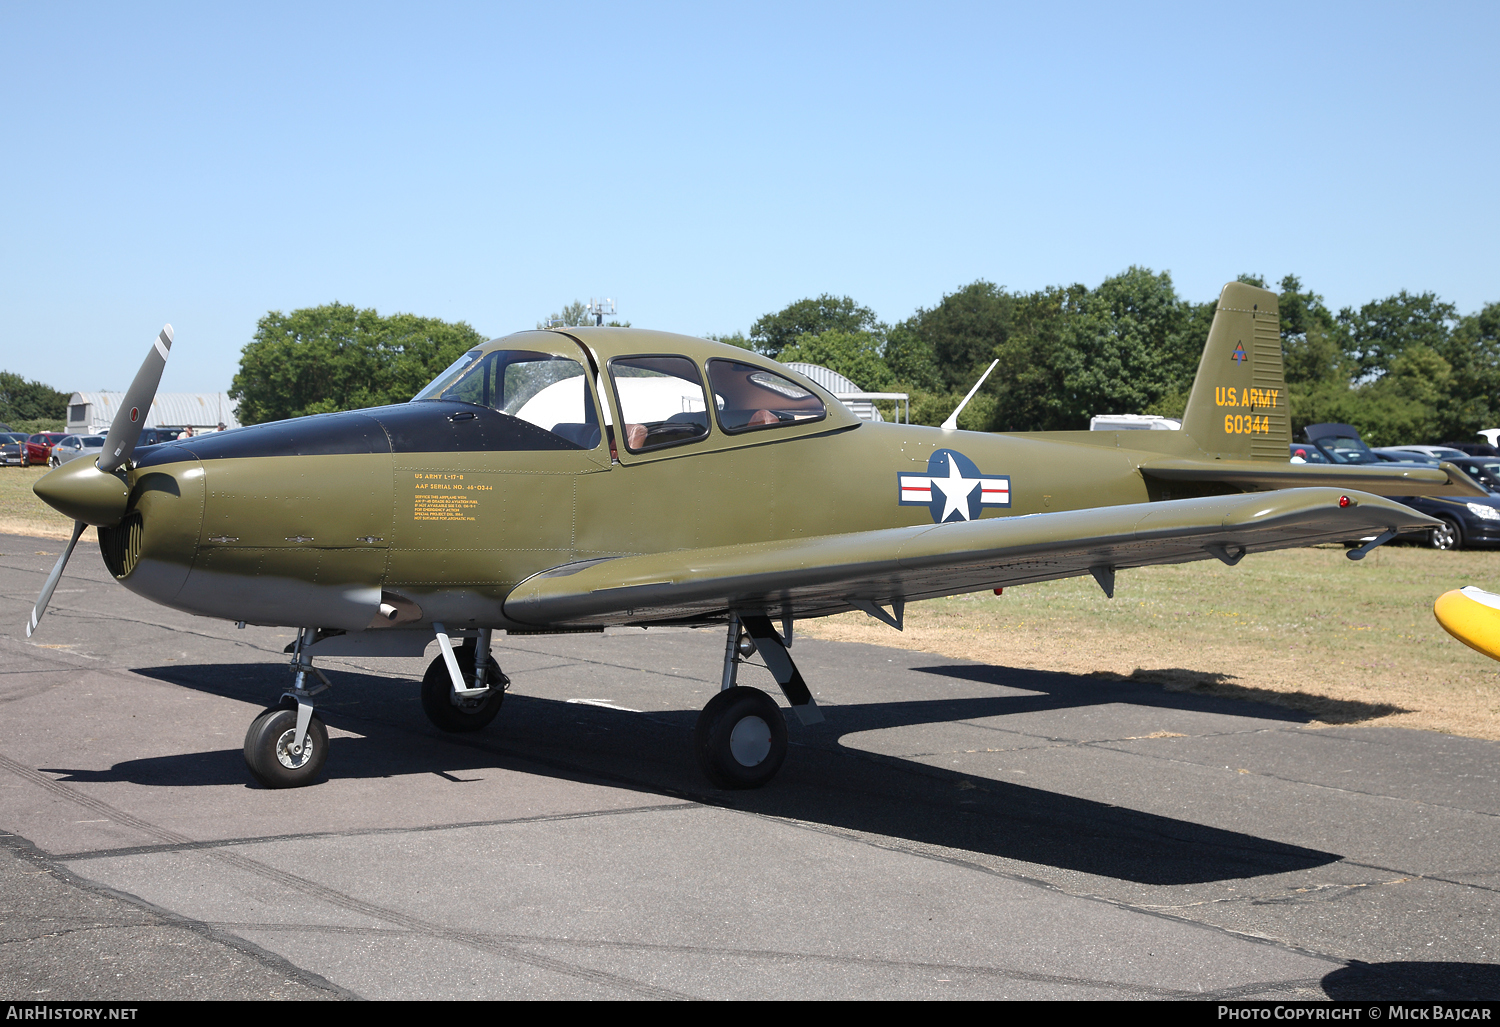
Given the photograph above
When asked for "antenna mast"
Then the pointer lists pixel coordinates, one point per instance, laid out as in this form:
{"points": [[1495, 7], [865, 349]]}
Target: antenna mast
{"points": [[951, 424], [599, 308]]}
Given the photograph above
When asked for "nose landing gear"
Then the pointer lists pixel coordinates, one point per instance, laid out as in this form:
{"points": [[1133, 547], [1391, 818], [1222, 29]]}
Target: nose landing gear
{"points": [[287, 746], [274, 755]]}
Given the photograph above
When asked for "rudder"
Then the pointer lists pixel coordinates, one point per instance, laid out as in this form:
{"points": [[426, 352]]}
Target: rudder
{"points": [[1238, 407]]}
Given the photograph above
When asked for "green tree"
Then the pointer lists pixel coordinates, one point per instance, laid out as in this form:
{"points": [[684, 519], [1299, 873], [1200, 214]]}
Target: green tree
{"points": [[1128, 346], [339, 357], [572, 315], [1381, 330], [911, 361], [855, 355], [1131, 343], [23, 400], [1031, 386], [1472, 350], [964, 330], [774, 332]]}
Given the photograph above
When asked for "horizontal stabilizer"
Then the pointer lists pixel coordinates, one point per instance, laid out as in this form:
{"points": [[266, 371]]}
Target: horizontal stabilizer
{"points": [[1388, 479]]}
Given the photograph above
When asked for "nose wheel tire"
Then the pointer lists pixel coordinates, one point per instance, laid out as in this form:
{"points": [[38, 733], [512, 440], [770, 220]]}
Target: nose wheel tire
{"points": [[1448, 535], [449, 712], [740, 738], [272, 755]]}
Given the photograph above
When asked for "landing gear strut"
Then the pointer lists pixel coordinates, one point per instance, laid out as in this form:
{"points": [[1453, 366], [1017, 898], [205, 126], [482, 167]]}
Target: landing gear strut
{"points": [[287, 745], [740, 737], [462, 690]]}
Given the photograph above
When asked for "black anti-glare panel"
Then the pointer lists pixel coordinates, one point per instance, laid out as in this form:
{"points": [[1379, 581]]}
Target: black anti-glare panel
{"points": [[432, 426]]}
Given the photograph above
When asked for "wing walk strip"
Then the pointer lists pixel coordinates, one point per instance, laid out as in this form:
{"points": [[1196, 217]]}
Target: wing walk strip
{"points": [[314, 890]]}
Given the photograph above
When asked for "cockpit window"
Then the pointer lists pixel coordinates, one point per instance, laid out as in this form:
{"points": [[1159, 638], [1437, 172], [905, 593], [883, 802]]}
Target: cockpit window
{"points": [[750, 398], [545, 389], [661, 401]]}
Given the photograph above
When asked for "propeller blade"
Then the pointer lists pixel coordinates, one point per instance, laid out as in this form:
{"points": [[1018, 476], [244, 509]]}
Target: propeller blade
{"points": [[52, 580], [125, 431]]}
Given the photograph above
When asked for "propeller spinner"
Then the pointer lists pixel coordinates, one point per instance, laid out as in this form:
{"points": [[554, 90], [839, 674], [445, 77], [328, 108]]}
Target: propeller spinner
{"points": [[97, 494]]}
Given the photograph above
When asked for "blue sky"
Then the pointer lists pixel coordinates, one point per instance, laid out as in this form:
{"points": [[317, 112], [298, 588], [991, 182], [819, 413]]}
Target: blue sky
{"points": [[708, 163]]}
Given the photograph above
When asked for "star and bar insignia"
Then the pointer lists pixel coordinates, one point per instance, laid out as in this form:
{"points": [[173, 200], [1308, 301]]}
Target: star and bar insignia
{"points": [[953, 489]]}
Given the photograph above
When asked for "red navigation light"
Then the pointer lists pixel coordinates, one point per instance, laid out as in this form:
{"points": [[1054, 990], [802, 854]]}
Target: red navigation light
{"points": [[1344, 500], [135, 414]]}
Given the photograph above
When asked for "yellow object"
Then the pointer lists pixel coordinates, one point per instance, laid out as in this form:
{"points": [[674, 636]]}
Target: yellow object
{"points": [[1472, 616]]}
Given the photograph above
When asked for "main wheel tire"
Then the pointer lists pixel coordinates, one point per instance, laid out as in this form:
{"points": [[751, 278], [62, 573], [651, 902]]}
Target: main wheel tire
{"points": [[740, 738], [1448, 536], [269, 753], [449, 712]]}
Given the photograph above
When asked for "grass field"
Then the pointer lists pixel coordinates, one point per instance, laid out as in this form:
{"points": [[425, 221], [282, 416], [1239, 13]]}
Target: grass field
{"points": [[21, 513], [1350, 643]]}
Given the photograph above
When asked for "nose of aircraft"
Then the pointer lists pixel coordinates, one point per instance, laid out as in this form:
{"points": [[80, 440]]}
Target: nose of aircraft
{"points": [[81, 491]]}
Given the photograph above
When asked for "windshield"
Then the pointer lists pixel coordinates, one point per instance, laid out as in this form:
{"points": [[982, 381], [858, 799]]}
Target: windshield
{"points": [[544, 388], [1342, 449], [1486, 472]]}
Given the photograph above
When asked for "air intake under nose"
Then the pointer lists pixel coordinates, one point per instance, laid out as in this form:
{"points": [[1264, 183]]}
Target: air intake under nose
{"points": [[121, 545]]}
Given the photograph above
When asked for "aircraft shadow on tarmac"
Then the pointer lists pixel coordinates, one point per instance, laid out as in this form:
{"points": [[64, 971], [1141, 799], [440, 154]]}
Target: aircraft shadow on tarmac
{"points": [[1145, 688], [823, 782], [1413, 981]]}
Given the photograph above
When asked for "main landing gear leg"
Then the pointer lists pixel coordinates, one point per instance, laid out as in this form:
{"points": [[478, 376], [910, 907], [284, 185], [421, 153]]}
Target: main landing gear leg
{"points": [[740, 737], [287, 746], [463, 688]]}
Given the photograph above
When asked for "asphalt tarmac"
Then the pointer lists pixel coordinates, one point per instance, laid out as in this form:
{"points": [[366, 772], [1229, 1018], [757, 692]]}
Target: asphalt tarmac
{"points": [[954, 830]]}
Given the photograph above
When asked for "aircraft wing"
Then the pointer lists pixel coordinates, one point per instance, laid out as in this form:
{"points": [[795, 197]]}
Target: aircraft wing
{"points": [[811, 577], [1389, 479]]}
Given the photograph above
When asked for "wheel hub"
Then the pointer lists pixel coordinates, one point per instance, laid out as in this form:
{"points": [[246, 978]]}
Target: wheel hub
{"points": [[750, 741], [287, 753]]}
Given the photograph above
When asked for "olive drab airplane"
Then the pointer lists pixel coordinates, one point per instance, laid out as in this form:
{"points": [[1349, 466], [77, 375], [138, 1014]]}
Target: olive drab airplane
{"points": [[570, 479]]}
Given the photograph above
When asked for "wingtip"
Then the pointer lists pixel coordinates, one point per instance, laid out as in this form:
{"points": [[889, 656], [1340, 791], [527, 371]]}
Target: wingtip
{"points": [[166, 334]]}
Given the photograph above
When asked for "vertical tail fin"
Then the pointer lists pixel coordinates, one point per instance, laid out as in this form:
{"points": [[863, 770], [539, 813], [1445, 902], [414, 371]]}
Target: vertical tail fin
{"points": [[1238, 406]]}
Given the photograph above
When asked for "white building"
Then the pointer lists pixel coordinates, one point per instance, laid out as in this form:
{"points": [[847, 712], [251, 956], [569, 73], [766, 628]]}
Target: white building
{"points": [[1133, 422], [91, 413], [861, 404]]}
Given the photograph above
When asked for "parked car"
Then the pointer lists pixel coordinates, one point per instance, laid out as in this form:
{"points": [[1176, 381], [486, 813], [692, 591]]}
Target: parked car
{"points": [[1434, 452], [11, 444], [1474, 448], [155, 436], [38, 448], [1307, 453], [1340, 443], [1468, 520], [71, 447]]}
